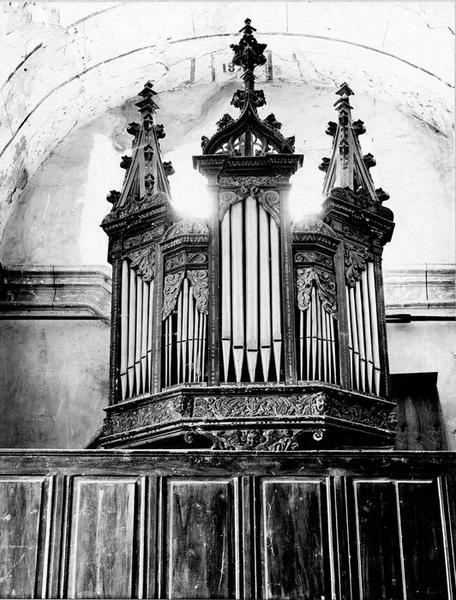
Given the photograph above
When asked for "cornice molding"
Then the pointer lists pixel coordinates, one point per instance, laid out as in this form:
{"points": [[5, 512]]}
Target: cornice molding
{"points": [[55, 291], [85, 291]]}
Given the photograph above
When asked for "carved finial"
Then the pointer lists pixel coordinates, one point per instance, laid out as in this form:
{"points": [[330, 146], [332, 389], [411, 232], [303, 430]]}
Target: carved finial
{"points": [[344, 90], [382, 196], [133, 129], [358, 127], [272, 122], [369, 160], [169, 169], [125, 162], [147, 105], [113, 196], [324, 165], [248, 53], [160, 131], [331, 129]]}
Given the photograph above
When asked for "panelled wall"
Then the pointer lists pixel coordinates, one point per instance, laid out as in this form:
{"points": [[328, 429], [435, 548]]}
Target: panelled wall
{"points": [[134, 524]]}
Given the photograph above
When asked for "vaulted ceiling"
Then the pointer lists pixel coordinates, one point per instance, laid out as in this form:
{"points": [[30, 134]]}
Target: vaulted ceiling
{"points": [[66, 64]]}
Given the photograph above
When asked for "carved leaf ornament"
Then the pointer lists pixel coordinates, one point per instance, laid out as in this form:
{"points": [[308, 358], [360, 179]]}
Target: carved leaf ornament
{"points": [[268, 199], [143, 261], [198, 283], [325, 285], [356, 260]]}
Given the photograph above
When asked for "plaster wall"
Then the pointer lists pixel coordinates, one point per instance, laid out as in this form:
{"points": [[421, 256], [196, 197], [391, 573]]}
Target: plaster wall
{"points": [[53, 382]]}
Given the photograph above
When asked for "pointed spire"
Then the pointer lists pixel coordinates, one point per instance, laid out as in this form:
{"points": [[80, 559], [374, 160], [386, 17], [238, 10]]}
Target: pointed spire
{"points": [[248, 135], [248, 54], [348, 167]]}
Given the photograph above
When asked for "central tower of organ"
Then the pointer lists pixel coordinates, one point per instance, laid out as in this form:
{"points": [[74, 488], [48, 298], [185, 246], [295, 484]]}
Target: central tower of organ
{"points": [[245, 330]]}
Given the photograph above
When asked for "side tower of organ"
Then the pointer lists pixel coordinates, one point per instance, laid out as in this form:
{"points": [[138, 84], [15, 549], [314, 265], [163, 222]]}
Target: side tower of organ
{"points": [[245, 330]]}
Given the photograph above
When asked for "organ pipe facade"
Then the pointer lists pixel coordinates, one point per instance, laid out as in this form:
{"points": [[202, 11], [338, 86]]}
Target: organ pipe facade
{"points": [[245, 330]]}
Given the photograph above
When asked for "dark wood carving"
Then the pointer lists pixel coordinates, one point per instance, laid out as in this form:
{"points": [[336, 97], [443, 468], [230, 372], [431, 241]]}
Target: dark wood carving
{"points": [[203, 308]]}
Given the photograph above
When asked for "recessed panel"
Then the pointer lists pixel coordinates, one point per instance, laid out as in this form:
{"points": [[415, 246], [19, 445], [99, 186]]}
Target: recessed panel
{"points": [[101, 551], [20, 509], [377, 540], [422, 540], [199, 541], [293, 544]]}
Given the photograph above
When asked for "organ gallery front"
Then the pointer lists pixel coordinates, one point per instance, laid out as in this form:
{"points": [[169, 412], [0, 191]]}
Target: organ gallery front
{"points": [[247, 450], [248, 330]]}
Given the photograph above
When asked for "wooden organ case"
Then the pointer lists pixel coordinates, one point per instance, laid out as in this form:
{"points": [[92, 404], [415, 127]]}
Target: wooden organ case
{"points": [[245, 330], [246, 450]]}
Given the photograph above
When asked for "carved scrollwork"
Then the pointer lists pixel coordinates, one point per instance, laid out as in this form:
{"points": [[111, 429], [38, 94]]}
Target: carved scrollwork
{"points": [[143, 261], [356, 259], [186, 227], [325, 284], [199, 284], [226, 199], [259, 181], [185, 258], [309, 405], [268, 199], [272, 440], [313, 257], [171, 288]]}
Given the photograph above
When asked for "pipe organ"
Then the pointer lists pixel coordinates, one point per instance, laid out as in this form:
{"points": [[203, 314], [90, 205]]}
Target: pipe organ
{"points": [[245, 330], [251, 330]]}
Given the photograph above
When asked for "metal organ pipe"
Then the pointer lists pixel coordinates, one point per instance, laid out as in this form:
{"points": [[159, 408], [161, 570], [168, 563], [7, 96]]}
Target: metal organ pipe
{"points": [[136, 325], [124, 330], [226, 291], [151, 287], [374, 324], [145, 311], [138, 336], [131, 333], [251, 284], [250, 304], [237, 288], [183, 339], [275, 296], [265, 295], [363, 332]]}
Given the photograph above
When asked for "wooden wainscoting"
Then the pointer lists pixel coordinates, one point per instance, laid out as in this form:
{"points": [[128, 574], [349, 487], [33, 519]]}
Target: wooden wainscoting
{"points": [[299, 525]]}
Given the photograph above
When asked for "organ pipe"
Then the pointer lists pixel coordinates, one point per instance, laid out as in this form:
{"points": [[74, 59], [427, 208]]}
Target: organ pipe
{"points": [[138, 336], [362, 317], [316, 341], [265, 295], [184, 343], [131, 333], [374, 324], [275, 296], [251, 285], [151, 287], [124, 314], [250, 304], [226, 292], [136, 325]]}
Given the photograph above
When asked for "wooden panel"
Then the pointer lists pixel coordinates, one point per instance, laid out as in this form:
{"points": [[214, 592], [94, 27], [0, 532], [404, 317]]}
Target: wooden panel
{"points": [[377, 540], [294, 513], [102, 544], [21, 501], [422, 541], [199, 539]]}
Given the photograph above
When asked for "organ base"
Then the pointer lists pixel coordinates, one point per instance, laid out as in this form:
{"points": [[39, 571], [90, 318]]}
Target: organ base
{"points": [[273, 417]]}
